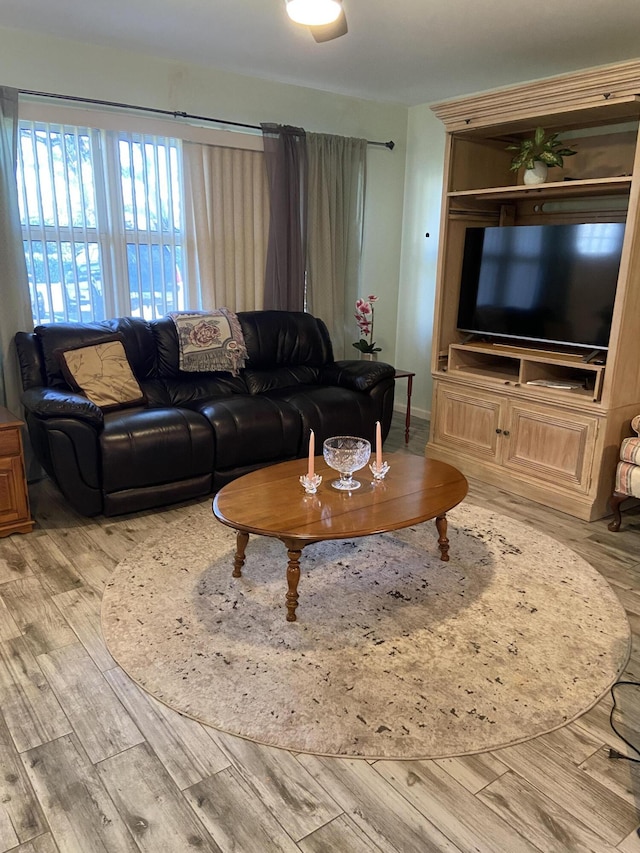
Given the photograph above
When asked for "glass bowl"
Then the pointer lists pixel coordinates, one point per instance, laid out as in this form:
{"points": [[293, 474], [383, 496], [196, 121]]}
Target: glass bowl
{"points": [[346, 454]]}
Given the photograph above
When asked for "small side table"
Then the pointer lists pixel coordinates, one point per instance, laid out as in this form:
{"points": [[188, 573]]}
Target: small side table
{"points": [[408, 375], [14, 498]]}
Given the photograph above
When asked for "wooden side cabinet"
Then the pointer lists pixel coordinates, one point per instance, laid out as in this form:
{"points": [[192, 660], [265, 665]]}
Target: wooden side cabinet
{"points": [[539, 418], [14, 499], [523, 446]]}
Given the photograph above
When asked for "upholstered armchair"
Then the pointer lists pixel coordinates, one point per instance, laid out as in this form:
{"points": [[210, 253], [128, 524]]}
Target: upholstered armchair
{"points": [[627, 474]]}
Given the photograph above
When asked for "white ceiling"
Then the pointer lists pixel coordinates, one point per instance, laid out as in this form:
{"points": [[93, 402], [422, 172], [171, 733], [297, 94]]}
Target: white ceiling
{"points": [[407, 51]]}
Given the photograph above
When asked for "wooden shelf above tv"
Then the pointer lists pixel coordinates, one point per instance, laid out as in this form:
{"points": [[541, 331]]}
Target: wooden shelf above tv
{"points": [[552, 189]]}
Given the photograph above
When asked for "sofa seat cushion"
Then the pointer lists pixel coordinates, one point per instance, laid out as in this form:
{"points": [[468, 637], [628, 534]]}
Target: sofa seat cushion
{"points": [[150, 447], [329, 410], [628, 479], [252, 430]]}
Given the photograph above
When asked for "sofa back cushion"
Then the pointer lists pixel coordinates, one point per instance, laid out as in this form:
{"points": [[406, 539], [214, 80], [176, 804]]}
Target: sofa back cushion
{"points": [[186, 389], [135, 333], [260, 381], [284, 339], [167, 348]]}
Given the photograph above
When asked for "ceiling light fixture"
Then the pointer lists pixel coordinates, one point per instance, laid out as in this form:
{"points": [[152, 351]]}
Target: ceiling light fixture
{"points": [[314, 12]]}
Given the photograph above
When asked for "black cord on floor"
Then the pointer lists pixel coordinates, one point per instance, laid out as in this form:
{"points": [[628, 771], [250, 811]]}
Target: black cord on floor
{"points": [[613, 753]]}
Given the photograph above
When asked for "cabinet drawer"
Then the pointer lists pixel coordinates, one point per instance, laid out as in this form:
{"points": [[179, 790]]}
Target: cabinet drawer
{"points": [[9, 442]]}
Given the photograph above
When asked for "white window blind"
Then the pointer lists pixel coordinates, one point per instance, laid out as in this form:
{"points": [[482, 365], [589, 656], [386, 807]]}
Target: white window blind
{"points": [[102, 216]]}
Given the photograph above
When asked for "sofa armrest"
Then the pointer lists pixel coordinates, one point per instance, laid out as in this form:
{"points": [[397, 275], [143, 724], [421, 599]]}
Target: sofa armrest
{"points": [[356, 375], [635, 424], [53, 403]]}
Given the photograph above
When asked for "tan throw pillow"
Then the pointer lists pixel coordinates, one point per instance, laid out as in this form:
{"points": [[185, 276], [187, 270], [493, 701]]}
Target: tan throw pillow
{"points": [[102, 373]]}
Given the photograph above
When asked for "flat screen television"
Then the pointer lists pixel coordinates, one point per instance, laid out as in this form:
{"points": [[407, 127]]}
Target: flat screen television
{"points": [[544, 283]]}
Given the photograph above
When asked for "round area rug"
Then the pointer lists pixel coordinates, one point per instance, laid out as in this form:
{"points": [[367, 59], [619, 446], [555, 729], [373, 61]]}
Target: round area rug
{"points": [[395, 654]]}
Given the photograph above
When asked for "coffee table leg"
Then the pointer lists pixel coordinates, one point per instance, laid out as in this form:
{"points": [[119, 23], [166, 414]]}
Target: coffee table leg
{"points": [[443, 542], [293, 576], [238, 561]]}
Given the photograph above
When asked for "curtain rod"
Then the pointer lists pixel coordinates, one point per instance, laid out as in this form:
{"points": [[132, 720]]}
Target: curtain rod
{"points": [[174, 113]]}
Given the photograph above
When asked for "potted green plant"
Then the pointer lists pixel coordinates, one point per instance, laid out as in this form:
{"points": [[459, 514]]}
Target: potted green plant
{"points": [[537, 154]]}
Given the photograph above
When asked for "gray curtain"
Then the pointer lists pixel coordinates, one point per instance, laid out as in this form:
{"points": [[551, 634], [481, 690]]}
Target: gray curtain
{"points": [[285, 157], [15, 305], [335, 203]]}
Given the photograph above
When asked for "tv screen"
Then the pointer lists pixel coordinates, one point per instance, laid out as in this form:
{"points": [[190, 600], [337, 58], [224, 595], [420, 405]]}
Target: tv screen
{"points": [[547, 283]]}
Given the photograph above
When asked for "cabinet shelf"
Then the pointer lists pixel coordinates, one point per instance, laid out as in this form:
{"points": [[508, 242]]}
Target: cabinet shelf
{"points": [[558, 189], [540, 373]]}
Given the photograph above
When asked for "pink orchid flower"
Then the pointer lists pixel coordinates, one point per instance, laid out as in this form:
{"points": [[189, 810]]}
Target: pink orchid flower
{"points": [[364, 319]]}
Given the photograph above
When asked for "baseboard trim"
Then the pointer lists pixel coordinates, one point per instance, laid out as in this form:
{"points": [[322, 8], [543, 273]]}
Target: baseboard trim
{"points": [[422, 414]]}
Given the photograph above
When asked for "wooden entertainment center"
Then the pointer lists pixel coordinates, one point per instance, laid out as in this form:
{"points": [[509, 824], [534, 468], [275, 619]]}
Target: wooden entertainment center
{"points": [[539, 420]]}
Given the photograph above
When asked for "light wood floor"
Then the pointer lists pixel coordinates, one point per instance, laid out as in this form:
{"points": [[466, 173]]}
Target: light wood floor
{"points": [[90, 763]]}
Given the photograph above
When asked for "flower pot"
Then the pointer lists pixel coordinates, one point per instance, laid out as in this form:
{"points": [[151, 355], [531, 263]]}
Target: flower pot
{"points": [[369, 356], [537, 175]]}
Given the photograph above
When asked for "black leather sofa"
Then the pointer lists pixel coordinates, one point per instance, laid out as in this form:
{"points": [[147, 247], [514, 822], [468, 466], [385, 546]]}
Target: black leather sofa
{"points": [[196, 431]]}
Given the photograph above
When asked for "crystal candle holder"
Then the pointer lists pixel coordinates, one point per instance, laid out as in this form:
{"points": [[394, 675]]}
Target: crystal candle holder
{"points": [[311, 483], [379, 471]]}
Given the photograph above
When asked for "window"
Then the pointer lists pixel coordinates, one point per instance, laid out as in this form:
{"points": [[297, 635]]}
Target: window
{"points": [[102, 222]]}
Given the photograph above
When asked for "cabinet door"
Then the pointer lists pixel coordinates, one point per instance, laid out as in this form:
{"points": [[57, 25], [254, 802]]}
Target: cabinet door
{"points": [[13, 499], [467, 420], [550, 444]]}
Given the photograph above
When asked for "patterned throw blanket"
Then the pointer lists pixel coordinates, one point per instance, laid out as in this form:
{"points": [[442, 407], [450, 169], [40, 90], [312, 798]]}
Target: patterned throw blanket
{"points": [[210, 340]]}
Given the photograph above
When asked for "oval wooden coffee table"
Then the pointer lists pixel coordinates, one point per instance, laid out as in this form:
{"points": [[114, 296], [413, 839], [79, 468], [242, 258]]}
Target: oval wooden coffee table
{"points": [[271, 502]]}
